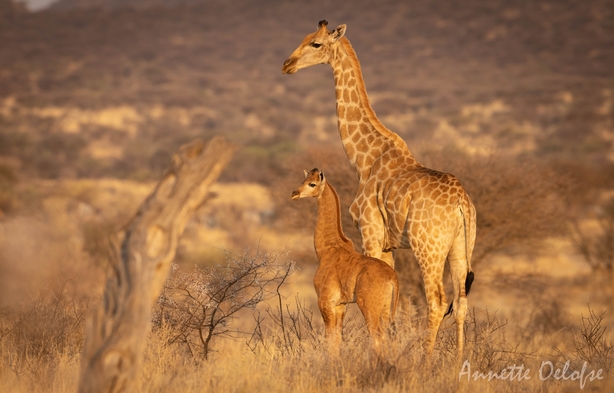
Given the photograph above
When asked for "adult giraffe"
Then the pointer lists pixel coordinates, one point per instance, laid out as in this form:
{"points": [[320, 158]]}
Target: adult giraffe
{"points": [[399, 203]]}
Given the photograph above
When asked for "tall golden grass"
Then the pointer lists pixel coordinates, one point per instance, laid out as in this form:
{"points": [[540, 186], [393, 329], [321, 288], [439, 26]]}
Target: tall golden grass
{"points": [[41, 333], [40, 344]]}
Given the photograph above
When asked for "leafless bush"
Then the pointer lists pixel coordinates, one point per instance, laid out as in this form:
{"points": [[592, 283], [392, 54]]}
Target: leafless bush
{"points": [[34, 334], [598, 249], [200, 305], [591, 343], [487, 345], [519, 201], [546, 316], [293, 331]]}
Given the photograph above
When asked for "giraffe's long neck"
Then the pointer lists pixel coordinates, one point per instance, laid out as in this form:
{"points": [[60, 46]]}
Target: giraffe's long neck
{"points": [[329, 232], [363, 136]]}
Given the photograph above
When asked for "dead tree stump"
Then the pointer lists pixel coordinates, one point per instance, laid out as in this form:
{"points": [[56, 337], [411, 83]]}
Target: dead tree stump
{"points": [[116, 332]]}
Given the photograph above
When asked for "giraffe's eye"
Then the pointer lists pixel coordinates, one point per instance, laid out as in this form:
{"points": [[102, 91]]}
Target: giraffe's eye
{"points": [[312, 185], [316, 45]]}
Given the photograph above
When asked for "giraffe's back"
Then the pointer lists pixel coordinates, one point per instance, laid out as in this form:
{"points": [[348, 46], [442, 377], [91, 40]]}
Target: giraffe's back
{"points": [[418, 204]]}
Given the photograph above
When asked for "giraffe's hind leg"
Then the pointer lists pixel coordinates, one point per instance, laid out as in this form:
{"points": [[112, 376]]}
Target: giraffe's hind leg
{"points": [[340, 311], [458, 270], [371, 297], [432, 275], [332, 324]]}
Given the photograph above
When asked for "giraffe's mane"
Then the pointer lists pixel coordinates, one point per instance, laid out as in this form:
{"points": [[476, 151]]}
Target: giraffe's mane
{"points": [[364, 99]]}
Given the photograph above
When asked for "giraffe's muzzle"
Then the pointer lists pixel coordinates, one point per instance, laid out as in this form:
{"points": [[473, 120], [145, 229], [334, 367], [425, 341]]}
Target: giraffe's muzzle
{"points": [[289, 66]]}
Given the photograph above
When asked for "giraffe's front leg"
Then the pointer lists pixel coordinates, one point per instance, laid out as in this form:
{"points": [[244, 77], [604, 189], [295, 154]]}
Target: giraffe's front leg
{"points": [[388, 258], [373, 244], [372, 230]]}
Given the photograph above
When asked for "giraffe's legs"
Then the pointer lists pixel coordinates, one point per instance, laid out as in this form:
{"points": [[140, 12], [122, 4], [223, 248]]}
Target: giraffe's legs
{"points": [[332, 324], [374, 297], [431, 264], [458, 270], [339, 316], [371, 309], [388, 258], [432, 275], [373, 243]]}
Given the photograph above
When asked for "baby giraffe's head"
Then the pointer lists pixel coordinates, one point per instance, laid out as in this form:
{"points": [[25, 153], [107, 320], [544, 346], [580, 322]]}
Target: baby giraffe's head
{"points": [[313, 185]]}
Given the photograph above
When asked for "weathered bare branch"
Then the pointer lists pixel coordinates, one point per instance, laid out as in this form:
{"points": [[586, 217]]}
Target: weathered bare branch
{"points": [[116, 331]]}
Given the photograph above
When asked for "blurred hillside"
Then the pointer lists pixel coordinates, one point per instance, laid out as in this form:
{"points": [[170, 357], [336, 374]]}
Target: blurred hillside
{"points": [[72, 4], [111, 91], [93, 89]]}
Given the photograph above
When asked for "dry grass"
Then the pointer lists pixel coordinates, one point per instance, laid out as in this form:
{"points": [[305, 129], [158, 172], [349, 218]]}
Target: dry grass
{"points": [[40, 354], [40, 342], [41, 338]]}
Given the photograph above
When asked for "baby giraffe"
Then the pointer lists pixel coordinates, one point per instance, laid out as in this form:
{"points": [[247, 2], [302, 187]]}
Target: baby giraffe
{"points": [[344, 275]]}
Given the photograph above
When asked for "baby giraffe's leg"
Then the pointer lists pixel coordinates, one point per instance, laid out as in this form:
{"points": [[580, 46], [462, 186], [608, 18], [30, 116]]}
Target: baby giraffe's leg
{"points": [[372, 321], [339, 316], [329, 315], [369, 301]]}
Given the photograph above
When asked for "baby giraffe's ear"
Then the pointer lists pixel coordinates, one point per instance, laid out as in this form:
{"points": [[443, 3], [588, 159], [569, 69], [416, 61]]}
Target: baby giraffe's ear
{"points": [[321, 176], [306, 172]]}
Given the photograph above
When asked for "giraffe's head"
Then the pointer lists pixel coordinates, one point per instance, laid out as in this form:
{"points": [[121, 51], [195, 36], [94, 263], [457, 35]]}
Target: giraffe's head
{"points": [[313, 185], [316, 48]]}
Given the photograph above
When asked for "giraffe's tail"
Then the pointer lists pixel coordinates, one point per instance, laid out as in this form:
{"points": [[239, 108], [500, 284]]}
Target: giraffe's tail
{"points": [[468, 282]]}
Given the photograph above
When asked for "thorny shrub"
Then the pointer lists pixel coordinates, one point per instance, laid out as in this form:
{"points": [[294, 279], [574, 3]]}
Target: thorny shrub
{"points": [[202, 304], [292, 331], [592, 345]]}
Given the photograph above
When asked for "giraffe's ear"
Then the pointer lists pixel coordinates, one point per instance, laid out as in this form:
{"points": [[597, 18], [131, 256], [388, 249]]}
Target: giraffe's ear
{"points": [[321, 176], [339, 32], [306, 172]]}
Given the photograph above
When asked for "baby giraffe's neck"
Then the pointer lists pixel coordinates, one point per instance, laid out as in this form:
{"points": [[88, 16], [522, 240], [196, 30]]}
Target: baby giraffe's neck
{"points": [[329, 232]]}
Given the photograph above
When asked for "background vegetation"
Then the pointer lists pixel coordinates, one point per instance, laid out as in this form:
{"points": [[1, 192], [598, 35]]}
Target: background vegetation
{"points": [[513, 97]]}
